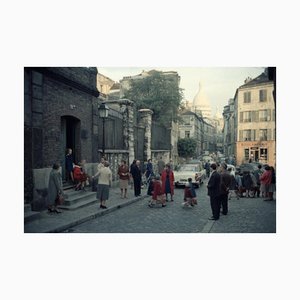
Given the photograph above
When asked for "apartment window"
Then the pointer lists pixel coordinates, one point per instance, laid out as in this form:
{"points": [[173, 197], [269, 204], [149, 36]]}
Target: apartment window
{"points": [[247, 97], [187, 134], [263, 115], [262, 95], [187, 121], [247, 135], [247, 116], [263, 134]]}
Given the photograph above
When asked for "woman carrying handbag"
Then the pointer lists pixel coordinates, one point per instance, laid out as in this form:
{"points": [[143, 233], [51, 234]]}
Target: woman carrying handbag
{"points": [[55, 189]]}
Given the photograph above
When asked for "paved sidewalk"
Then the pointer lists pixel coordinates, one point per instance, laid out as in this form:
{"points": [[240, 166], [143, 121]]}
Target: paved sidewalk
{"points": [[53, 223]]}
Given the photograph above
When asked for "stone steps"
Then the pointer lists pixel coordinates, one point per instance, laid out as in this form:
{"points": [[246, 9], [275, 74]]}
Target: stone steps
{"points": [[77, 199], [74, 200]]}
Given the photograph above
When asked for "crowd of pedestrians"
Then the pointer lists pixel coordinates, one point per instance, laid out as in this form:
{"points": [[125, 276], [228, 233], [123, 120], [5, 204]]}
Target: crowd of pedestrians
{"points": [[223, 183]]}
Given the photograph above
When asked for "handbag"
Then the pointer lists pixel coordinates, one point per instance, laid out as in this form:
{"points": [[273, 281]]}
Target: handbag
{"points": [[60, 199]]}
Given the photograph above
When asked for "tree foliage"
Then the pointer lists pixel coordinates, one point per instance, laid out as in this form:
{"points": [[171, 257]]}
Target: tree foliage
{"points": [[187, 147], [159, 93]]}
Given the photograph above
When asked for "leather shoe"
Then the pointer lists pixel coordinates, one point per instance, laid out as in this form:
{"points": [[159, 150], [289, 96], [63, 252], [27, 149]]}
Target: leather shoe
{"points": [[212, 218]]}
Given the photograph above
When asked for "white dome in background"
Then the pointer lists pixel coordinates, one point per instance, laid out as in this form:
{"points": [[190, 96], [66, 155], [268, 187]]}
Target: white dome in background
{"points": [[201, 103]]}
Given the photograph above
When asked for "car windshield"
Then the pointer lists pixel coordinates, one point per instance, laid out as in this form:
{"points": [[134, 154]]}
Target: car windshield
{"points": [[188, 168]]}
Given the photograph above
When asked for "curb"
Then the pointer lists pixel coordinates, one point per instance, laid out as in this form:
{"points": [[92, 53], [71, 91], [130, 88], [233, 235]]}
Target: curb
{"points": [[208, 226], [94, 215]]}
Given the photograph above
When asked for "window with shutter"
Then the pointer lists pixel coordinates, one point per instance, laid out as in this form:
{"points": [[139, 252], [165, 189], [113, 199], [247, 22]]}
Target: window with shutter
{"points": [[247, 116], [241, 138], [269, 135], [241, 117], [253, 116], [263, 115], [262, 95], [269, 115], [247, 135], [273, 115], [257, 116], [247, 97], [252, 135], [263, 134]]}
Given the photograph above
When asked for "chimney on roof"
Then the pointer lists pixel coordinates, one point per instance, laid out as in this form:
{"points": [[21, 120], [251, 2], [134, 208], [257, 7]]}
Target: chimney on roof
{"points": [[247, 79]]}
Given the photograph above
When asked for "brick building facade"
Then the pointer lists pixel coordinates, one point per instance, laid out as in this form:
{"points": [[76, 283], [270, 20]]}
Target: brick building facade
{"points": [[60, 111]]}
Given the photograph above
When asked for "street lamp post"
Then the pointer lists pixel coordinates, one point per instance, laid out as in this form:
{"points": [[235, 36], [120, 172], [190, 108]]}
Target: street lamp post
{"points": [[103, 114]]}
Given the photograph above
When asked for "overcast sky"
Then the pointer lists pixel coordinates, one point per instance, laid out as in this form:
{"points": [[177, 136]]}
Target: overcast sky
{"points": [[219, 84]]}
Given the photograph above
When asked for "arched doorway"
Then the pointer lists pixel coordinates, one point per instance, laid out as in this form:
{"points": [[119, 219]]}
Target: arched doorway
{"points": [[70, 136]]}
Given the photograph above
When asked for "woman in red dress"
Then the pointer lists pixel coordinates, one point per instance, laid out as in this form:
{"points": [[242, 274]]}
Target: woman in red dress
{"points": [[79, 176], [157, 195], [167, 178]]}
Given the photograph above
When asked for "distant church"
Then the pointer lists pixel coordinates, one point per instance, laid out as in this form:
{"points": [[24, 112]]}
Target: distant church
{"points": [[201, 104]]}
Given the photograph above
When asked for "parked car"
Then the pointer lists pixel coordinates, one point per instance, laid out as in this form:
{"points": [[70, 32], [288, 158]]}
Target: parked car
{"points": [[206, 158], [194, 171]]}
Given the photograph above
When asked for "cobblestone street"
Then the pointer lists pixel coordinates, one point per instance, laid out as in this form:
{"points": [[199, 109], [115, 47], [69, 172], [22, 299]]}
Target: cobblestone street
{"points": [[249, 215]]}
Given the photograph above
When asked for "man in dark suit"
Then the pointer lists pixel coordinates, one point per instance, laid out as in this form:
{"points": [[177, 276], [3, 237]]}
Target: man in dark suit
{"points": [[213, 191], [136, 174], [224, 189]]}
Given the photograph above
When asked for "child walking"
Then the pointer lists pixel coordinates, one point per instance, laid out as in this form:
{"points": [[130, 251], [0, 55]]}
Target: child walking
{"points": [[190, 197]]}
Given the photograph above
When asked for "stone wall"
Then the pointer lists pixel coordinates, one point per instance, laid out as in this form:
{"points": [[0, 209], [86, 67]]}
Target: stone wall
{"points": [[51, 94]]}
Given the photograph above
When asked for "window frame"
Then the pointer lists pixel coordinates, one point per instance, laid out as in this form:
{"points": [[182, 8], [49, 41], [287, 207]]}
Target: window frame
{"points": [[263, 95]]}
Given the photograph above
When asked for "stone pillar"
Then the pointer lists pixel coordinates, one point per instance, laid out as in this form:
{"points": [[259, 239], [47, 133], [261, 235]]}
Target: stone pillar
{"points": [[146, 122], [128, 123], [130, 132]]}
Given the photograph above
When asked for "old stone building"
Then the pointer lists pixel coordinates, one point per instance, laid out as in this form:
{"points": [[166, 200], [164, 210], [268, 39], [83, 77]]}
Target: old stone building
{"points": [[198, 128], [191, 126], [255, 120], [229, 132], [104, 84]]}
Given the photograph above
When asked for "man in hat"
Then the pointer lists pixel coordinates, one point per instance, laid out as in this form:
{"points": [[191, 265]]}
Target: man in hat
{"points": [[224, 188]]}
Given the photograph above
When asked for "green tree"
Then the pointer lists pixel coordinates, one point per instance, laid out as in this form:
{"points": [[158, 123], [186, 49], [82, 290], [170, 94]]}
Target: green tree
{"points": [[159, 93], [187, 147]]}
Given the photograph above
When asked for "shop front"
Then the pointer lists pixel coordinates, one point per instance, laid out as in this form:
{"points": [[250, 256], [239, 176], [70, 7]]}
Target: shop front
{"points": [[261, 152]]}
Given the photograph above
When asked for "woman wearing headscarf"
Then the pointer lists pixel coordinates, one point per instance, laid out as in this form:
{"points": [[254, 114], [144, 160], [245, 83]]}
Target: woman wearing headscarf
{"points": [[55, 188]]}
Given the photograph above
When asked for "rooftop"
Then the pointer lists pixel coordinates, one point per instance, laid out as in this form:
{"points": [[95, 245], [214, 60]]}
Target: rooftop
{"points": [[262, 78]]}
